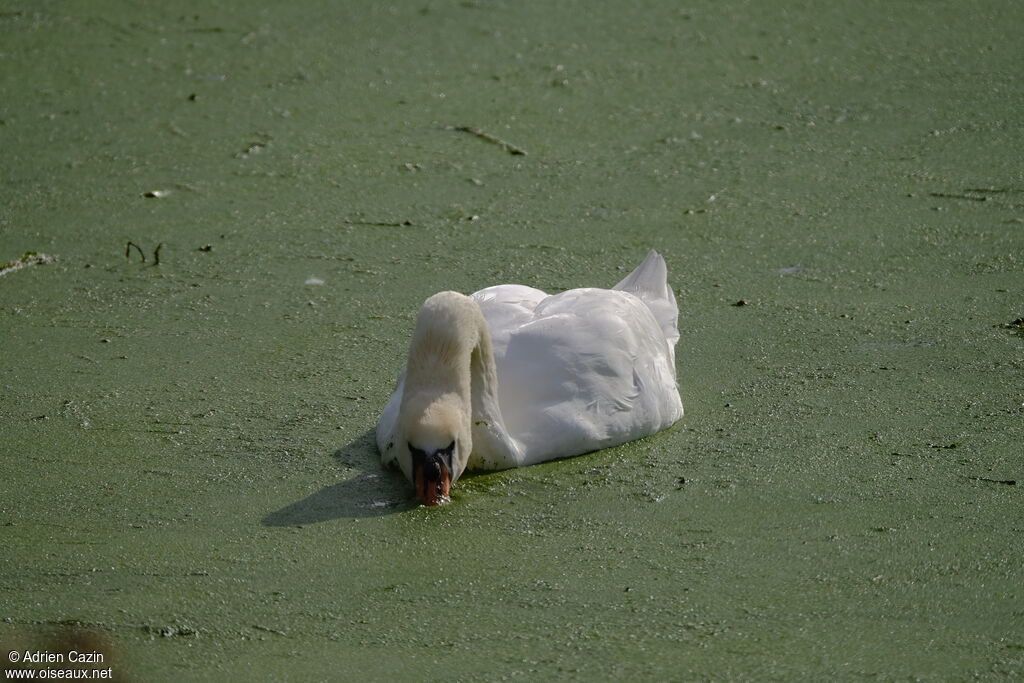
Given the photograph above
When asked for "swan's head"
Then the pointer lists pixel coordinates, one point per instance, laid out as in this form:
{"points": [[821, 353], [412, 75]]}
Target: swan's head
{"points": [[437, 454]]}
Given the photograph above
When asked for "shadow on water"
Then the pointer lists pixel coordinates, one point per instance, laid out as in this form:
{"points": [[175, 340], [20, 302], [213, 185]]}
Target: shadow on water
{"points": [[373, 492]]}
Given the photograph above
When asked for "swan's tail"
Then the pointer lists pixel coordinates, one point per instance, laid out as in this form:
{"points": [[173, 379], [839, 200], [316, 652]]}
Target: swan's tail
{"points": [[649, 282]]}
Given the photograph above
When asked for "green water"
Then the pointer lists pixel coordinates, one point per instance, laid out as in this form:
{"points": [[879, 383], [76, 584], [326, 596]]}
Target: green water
{"points": [[187, 468]]}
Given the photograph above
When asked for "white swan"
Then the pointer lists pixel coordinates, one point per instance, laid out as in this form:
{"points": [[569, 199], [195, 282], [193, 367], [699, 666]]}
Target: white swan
{"points": [[510, 376]]}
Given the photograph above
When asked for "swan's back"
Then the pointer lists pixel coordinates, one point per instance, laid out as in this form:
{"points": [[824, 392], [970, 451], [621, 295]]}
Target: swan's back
{"points": [[588, 368]]}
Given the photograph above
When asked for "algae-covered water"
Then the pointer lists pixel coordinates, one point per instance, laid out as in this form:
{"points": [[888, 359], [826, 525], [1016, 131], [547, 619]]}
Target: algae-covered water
{"points": [[187, 476]]}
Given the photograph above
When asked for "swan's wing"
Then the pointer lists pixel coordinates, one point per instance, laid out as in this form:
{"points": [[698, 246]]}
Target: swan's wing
{"points": [[649, 283], [585, 369], [591, 370], [515, 295], [507, 307]]}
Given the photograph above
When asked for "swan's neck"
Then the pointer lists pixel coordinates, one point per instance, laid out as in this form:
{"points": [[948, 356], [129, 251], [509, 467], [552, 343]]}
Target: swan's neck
{"points": [[447, 332], [451, 384]]}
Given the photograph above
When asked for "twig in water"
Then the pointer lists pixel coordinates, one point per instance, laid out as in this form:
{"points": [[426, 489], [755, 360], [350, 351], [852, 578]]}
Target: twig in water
{"points": [[380, 223], [156, 254], [951, 195], [509, 147], [29, 258], [128, 250], [1008, 482], [269, 630]]}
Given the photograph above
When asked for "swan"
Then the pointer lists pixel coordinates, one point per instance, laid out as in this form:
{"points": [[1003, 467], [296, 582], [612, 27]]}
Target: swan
{"points": [[510, 376]]}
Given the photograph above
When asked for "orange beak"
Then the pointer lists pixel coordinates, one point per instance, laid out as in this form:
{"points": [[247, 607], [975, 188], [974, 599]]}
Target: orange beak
{"points": [[432, 483]]}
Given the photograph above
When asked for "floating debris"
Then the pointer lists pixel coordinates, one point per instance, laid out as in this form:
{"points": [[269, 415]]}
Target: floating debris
{"points": [[267, 629], [128, 250], [171, 631], [314, 281], [1007, 482], [509, 147], [256, 147], [142, 256], [156, 194], [29, 258], [385, 224]]}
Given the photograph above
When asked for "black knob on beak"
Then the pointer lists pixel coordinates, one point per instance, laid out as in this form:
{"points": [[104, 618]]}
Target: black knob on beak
{"points": [[432, 473]]}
